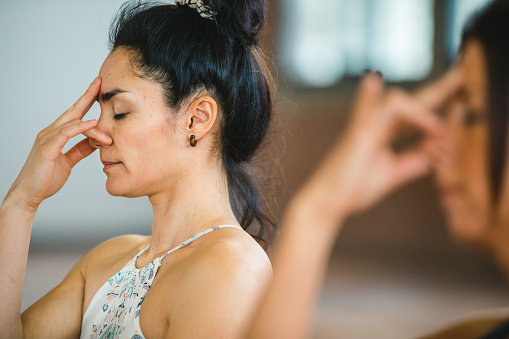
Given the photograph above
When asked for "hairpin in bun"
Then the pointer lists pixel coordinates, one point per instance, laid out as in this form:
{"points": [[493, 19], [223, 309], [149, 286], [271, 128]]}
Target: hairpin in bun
{"points": [[205, 11]]}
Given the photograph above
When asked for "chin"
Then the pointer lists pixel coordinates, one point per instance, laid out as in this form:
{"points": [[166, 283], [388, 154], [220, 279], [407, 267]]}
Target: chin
{"points": [[117, 189], [467, 228]]}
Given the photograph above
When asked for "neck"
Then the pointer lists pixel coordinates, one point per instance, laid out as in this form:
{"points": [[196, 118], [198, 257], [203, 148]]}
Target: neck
{"points": [[190, 207]]}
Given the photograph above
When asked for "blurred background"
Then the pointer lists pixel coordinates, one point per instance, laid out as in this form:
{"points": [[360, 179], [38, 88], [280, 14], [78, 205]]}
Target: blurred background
{"points": [[395, 271]]}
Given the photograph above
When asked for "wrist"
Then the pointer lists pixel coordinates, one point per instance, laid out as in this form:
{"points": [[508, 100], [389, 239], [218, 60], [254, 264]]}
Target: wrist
{"points": [[310, 209], [14, 201]]}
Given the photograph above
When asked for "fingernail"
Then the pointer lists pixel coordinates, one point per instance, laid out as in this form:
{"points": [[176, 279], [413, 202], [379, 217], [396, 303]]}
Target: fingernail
{"points": [[367, 71], [379, 74], [92, 122], [96, 80]]}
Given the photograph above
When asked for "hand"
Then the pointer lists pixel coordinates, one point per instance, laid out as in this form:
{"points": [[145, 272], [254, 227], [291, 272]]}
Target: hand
{"points": [[47, 168], [363, 167]]}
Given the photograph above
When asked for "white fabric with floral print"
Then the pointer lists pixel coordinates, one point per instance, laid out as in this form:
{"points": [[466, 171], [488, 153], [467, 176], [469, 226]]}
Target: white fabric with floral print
{"points": [[114, 311]]}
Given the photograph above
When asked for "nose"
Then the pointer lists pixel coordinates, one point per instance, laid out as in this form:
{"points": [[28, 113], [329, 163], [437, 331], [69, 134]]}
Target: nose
{"points": [[450, 148], [99, 137]]}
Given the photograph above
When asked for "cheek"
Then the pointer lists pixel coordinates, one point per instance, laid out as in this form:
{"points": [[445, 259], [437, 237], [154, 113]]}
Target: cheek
{"points": [[152, 148], [475, 168], [471, 214]]}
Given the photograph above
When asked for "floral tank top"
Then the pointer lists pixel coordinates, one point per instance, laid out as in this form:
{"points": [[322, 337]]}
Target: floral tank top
{"points": [[114, 311]]}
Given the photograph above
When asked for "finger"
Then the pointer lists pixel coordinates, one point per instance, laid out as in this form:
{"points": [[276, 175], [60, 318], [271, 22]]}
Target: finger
{"points": [[400, 108], [436, 94], [58, 139], [79, 151], [81, 107], [411, 165], [443, 151], [369, 93], [95, 134]]}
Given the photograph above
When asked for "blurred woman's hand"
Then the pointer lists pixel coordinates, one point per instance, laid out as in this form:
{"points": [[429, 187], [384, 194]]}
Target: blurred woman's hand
{"points": [[47, 169], [363, 167]]}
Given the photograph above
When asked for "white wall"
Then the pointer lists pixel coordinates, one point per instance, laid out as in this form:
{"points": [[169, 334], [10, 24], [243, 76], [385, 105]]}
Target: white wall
{"points": [[49, 53]]}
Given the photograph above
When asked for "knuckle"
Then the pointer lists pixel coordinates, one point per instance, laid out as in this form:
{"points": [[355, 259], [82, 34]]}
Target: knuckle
{"points": [[43, 134], [40, 135], [64, 132]]}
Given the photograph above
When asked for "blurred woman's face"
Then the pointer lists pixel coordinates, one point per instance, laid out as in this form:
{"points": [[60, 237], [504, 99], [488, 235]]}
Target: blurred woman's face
{"points": [[463, 180]]}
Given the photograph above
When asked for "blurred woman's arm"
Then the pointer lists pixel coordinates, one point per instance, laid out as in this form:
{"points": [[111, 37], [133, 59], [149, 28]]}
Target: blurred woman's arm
{"points": [[360, 170]]}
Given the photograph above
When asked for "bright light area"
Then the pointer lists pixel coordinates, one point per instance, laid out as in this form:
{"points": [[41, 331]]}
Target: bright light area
{"points": [[402, 43], [322, 44], [462, 10]]}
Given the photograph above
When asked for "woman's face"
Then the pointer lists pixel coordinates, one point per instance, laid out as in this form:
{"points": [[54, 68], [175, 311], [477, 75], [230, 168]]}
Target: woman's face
{"points": [[144, 155], [463, 179]]}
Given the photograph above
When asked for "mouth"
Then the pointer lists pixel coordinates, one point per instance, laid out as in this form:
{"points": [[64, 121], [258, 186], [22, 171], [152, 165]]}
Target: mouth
{"points": [[108, 165]]}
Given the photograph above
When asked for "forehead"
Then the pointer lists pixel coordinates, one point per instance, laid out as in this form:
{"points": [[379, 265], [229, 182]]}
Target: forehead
{"points": [[116, 67], [116, 73], [473, 70], [473, 64]]}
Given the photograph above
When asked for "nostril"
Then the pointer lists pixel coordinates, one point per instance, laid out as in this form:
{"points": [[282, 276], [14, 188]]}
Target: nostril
{"points": [[93, 143]]}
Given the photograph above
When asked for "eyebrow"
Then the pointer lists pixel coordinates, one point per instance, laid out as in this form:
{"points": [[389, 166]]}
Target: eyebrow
{"points": [[105, 97]]}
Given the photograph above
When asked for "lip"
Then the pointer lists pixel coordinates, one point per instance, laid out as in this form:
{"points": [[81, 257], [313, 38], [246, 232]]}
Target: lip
{"points": [[109, 164]]}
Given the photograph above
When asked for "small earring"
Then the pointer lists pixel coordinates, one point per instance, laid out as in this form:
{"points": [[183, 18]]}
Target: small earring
{"points": [[193, 141]]}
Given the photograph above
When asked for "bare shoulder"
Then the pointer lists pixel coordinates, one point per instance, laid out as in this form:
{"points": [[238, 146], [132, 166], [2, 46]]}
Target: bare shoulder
{"points": [[228, 256], [114, 249], [121, 242], [220, 286], [231, 252]]}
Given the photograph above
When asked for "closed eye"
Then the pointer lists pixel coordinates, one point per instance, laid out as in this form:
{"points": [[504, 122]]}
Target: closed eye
{"points": [[120, 116], [470, 118]]}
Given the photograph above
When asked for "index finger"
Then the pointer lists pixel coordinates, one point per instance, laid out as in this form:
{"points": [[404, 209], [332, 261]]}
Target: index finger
{"points": [[405, 109], [369, 94], [81, 107], [436, 94]]}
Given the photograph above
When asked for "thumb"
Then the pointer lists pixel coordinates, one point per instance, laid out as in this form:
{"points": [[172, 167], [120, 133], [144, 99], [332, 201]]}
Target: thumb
{"points": [[80, 151]]}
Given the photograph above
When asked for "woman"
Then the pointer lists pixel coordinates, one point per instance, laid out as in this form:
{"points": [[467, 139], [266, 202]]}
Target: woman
{"points": [[185, 104], [468, 149], [472, 184]]}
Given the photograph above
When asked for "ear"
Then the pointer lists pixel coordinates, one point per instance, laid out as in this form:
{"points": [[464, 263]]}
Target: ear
{"points": [[200, 116]]}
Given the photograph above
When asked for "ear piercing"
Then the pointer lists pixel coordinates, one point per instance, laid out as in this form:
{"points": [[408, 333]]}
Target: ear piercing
{"points": [[193, 141]]}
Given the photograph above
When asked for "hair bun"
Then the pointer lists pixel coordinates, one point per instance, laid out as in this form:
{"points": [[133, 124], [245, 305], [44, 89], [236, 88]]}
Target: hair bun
{"points": [[240, 19]]}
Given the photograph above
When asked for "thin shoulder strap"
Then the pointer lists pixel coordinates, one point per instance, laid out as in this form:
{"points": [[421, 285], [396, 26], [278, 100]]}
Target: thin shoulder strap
{"points": [[193, 238], [140, 252]]}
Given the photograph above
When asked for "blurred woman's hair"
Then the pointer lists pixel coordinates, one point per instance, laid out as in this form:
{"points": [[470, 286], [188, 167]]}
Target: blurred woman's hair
{"points": [[188, 54], [490, 27]]}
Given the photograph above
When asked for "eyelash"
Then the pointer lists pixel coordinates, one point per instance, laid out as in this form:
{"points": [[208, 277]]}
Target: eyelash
{"points": [[119, 116]]}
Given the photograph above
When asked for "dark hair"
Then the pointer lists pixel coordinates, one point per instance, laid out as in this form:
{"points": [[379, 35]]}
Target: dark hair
{"points": [[490, 27], [186, 54]]}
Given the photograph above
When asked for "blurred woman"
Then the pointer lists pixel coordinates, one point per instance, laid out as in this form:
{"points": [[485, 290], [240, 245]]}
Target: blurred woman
{"points": [[185, 104], [468, 149], [473, 186]]}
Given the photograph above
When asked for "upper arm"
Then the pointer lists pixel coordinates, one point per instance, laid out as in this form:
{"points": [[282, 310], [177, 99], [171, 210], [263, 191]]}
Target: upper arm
{"points": [[220, 294], [58, 313]]}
